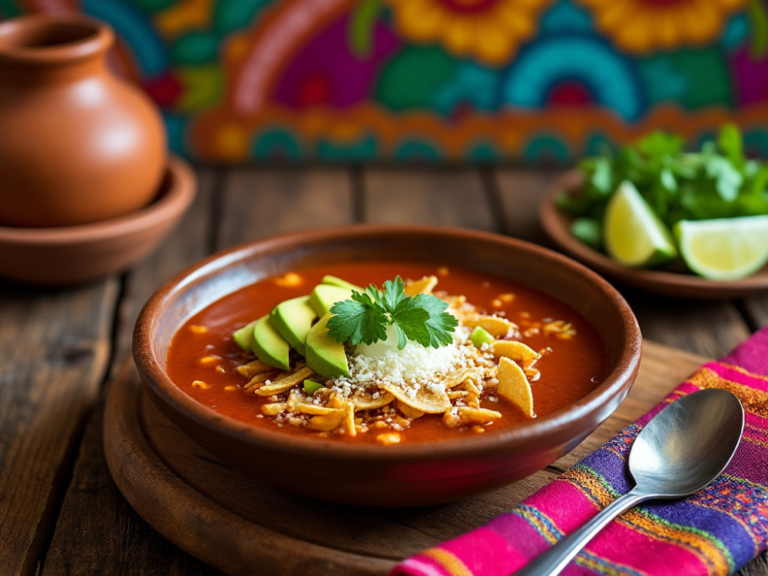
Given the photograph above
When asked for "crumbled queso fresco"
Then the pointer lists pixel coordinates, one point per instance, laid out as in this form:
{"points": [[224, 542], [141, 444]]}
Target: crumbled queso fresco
{"points": [[413, 367]]}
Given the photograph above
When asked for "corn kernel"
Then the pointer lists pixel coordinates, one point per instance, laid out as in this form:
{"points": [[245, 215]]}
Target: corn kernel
{"points": [[195, 329], [289, 279], [200, 384]]}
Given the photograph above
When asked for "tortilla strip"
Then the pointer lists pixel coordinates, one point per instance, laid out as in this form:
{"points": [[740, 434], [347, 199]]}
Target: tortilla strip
{"points": [[252, 368], [285, 382], [514, 350], [514, 386], [409, 412], [424, 400], [314, 409], [328, 422], [364, 401], [349, 419], [273, 409], [460, 377], [256, 382], [477, 415], [423, 286], [494, 325]]}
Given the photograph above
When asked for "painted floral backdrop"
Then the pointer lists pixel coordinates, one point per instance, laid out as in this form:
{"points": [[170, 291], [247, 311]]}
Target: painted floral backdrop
{"points": [[437, 79]]}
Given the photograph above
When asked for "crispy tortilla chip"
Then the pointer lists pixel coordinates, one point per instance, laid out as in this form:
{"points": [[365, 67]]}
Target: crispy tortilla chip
{"points": [[494, 325], [365, 401], [285, 382], [477, 415], [314, 409], [457, 378], [349, 419], [424, 400], [256, 382], [423, 286], [328, 422], [273, 409], [252, 368], [514, 386], [514, 350], [408, 411], [388, 438], [470, 387]]}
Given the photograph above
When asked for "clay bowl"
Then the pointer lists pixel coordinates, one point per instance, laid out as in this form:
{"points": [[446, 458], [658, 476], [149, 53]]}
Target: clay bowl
{"points": [[401, 475], [557, 225], [72, 254]]}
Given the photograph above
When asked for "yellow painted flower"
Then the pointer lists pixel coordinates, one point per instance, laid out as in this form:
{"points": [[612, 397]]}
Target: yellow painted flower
{"points": [[489, 30], [640, 26]]}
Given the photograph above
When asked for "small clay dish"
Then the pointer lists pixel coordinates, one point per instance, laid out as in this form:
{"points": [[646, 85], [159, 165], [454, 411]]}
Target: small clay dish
{"points": [[401, 475], [557, 225], [73, 254]]}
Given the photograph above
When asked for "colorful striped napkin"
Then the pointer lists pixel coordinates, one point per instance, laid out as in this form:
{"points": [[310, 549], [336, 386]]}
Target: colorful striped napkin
{"points": [[715, 531]]}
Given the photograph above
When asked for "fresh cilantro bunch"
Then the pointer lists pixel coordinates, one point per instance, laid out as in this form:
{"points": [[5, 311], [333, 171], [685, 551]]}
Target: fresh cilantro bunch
{"points": [[716, 182], [365, 317]]}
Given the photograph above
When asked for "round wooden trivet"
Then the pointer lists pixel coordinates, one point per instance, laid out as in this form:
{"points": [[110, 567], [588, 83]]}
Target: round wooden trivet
{"points": [[241, 526]]}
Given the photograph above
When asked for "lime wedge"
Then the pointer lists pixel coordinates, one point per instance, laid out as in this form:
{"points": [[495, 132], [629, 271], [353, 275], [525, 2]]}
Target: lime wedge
{"points": [[634, 235], [724, 249]]}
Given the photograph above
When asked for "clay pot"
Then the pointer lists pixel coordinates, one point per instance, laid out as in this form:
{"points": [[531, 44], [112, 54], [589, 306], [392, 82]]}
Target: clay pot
{"points": [[78, 144]]}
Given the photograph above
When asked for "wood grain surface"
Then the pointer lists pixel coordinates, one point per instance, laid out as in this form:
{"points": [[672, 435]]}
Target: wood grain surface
{"points": [[60, 512], [242, 526]]}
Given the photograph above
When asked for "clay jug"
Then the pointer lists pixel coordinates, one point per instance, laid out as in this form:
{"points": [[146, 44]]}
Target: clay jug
{"points": [[77, 144]]}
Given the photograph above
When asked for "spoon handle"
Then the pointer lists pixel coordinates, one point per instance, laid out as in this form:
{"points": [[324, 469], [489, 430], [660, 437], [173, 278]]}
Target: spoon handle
{"points": [[551, 562]]}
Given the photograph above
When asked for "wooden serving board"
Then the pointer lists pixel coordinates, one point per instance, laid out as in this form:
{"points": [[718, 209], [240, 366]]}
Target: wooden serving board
{"points": [[241, 526]]}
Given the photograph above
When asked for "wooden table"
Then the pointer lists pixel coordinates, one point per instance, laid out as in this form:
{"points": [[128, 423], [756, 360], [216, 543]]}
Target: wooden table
{"points": [[60, 511]]}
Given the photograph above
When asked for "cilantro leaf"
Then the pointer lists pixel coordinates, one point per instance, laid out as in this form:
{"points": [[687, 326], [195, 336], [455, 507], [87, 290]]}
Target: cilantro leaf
{"points": [[359, 320], [394, 294], [440, 324], [411, 320], [364, 318]]}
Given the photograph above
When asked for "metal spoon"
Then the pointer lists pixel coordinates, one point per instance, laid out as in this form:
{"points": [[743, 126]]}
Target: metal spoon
{"points": [[680, 451]]}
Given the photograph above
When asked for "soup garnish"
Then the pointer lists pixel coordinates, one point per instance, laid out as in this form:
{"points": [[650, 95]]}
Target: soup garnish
{"points": [[375, 364]]}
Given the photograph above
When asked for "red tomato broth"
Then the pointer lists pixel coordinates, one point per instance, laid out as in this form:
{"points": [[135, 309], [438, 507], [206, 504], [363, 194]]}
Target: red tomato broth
{"points": [[570, 371]]}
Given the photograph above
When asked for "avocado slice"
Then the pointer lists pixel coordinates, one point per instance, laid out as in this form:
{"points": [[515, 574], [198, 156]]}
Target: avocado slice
{"points": [[292, 319], [334, 281], [269, 346], [324, 296], [244, 336], [324, 355]]}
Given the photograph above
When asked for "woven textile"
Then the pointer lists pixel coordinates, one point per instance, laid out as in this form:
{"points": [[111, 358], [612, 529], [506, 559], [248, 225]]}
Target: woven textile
{"points": [[713, 532]]}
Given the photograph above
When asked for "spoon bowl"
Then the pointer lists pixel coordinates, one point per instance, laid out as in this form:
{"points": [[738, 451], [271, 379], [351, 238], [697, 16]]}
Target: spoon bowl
{"points": [[688, 444]]}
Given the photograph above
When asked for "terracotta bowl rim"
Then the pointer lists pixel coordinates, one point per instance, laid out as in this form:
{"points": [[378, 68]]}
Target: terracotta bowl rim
{"points": [[553, 425], [180, 191], [657, 280]]}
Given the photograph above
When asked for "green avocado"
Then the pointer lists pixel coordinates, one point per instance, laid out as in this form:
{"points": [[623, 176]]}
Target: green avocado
{"points": [[269, 346], [293, 319], [333, 281], [324, 296], [244, 336], [324, 355]]}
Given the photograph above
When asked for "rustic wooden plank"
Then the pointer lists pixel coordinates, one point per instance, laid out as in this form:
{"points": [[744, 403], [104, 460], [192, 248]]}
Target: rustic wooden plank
{"points": [[97, 531], [708, 328], [262, 202], [447, 197], [54, 350], [519, 192], [756, 311]]}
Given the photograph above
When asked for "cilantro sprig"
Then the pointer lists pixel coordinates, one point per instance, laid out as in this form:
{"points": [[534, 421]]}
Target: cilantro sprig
{"points": [[718, 181], [364, 318]]}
